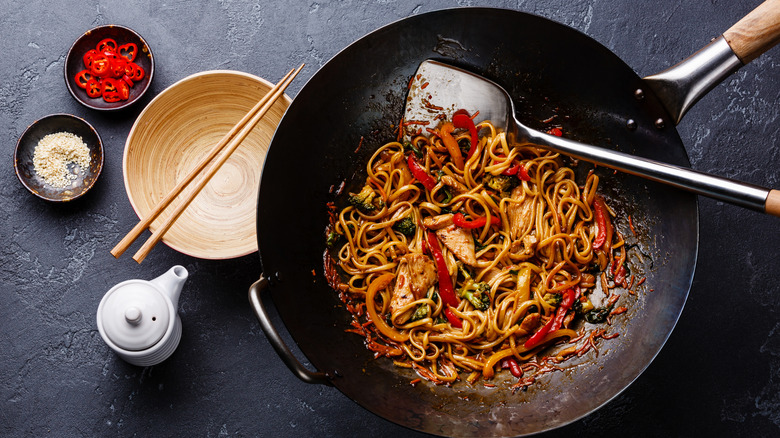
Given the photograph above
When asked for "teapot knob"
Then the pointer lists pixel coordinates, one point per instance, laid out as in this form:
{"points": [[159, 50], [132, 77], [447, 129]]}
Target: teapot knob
{"points": [[133, 315]]}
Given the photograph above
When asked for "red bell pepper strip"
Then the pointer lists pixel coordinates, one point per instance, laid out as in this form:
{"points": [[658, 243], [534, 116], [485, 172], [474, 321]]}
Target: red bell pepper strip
{"points": [[420, 174], [601, 223], [452, 318], [445, 132], [128, 51], [522, 173], [460, 221], [462, 120], [555, 322], [446, 291]]}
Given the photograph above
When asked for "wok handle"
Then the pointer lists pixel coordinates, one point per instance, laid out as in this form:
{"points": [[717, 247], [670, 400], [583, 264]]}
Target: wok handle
{"points": [[734, 192], [276, 341], [756, 32]]}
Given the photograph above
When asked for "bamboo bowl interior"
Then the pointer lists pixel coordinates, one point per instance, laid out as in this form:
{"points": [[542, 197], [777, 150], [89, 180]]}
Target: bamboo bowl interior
{"points": [[173, 133]]}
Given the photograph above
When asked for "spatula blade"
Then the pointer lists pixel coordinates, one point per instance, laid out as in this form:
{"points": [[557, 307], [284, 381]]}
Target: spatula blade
{"points": [[438, 90]]}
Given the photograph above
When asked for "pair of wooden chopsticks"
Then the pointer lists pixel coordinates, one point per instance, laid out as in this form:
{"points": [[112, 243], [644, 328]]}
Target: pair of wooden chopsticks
{"points": [[228, 144]]}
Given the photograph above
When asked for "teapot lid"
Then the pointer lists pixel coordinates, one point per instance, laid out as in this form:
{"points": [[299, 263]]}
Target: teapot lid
{"points": [[134, 315]]}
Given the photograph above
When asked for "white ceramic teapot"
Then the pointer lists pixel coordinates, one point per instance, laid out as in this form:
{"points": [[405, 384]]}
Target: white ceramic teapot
{"points": [[138, 318]]}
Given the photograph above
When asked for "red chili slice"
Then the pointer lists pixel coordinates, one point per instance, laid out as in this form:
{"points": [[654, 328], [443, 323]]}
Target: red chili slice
{"points": [[128, 51], [106, 44], [93, 88], [100, 66], [134, 71], [82, 78], [122, 89]]}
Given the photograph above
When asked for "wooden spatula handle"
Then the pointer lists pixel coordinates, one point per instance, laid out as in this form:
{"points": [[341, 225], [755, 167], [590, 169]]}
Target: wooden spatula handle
{"points": [[755, 33], [773, 203]]}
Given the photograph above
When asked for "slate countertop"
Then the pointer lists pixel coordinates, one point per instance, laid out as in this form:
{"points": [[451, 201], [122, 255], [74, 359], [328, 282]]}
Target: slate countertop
{"points": [[718, 375]]}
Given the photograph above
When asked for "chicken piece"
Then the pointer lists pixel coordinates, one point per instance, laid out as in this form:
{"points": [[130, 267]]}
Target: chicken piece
{"points": [[524, 247], [520, 215], [456, 185], [530, 322], [460, 242], [416, 274], [438, 222]]}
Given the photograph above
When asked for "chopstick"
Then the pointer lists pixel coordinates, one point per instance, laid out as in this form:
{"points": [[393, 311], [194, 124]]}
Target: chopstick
{"points": [[228, 144]]}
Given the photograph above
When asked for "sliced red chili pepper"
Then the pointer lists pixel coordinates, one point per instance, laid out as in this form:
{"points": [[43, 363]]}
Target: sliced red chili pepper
{"points": [[134, 71], [127, 80], [460, 221], [89, 57], [107, 44], [445, 132], [117, 64], [601, 223], [461, 119], [122, 89], [109, 85], [452, 318], [93, 88], [82, 78], [112, 97], [127, 51], [446, 291], [420, 174], [100, 66]]}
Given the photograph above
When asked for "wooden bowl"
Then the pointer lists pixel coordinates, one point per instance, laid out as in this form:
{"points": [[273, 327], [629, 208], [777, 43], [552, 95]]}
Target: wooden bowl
{"points": [[180, 126], [122, 35], [25, 151]]}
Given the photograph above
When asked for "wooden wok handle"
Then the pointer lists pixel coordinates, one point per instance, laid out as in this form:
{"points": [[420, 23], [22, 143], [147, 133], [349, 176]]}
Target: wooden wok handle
{"points": [[773, 203], [756, 32]]}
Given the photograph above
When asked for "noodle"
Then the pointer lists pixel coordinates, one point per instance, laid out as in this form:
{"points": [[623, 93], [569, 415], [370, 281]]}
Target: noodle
{"points": [[521, 243]]}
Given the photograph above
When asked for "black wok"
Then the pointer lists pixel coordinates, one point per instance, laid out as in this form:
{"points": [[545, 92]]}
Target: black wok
{"points": [[353, 104]]}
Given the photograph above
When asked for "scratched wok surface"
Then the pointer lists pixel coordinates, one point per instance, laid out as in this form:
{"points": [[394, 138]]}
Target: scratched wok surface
{"points": [[357, 99]]}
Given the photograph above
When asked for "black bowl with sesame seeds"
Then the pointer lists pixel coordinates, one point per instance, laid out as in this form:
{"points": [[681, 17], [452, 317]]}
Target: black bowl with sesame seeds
{"points": [[59, 157]]}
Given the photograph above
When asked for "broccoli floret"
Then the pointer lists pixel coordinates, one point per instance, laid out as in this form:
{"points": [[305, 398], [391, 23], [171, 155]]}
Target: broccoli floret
{"points": [[478, 294], [553, 299], [421, 312], [406, 226], [366, 201], [500, 183], [333, 239], [599, 314]]}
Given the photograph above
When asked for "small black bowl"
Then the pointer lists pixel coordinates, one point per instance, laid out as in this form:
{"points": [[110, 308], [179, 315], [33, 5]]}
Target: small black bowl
{"points": [[74, 63], [25, 150]]}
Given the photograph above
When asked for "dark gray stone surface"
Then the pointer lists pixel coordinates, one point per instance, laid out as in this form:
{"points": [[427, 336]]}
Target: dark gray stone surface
{"points": [[719, 374]]}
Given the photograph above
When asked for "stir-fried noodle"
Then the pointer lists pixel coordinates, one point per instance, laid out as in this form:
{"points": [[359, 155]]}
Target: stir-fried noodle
{"points": [[467, 256]]}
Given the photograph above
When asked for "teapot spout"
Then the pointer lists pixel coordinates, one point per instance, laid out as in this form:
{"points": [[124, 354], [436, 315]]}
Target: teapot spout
{"points": [[171, 283]]}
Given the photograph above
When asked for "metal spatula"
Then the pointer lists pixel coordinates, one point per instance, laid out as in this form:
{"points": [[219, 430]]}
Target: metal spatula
{"points": [[450, 88]]}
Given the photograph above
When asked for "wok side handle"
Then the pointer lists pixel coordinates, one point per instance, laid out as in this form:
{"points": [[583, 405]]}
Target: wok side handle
{"points": [[756, 32], [276, 341]]}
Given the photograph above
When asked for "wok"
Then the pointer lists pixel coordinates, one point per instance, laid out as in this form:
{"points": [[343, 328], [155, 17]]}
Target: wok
{"points": [[353, 104]]}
